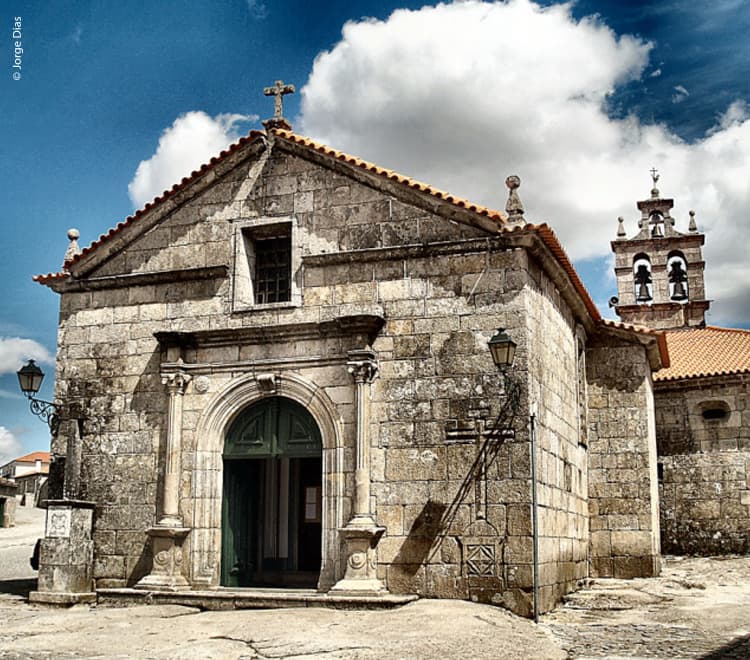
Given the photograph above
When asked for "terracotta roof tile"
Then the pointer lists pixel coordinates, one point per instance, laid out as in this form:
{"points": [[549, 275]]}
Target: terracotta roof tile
{"points": [[34, 456], [709, 351]]}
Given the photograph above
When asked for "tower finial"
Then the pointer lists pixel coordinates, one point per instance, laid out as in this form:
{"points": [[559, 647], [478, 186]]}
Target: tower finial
{"points": [[621, 227], [514, 205], [654, 178], [692, 227], [73, 249]]}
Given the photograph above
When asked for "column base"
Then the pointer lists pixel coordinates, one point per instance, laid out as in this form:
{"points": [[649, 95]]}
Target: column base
{"points": [[360, 537], [166, 571]]}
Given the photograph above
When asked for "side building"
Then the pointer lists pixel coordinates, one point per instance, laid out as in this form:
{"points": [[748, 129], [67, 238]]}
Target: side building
{"points": [[702, 400]]}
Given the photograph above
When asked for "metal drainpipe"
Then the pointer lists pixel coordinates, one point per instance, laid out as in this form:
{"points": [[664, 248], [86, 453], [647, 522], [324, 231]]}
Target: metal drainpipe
{"points": [[534, 520]]}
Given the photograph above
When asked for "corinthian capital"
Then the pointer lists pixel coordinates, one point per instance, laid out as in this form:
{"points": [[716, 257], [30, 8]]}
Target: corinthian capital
{"points": [[176, 381], [363, 365]]}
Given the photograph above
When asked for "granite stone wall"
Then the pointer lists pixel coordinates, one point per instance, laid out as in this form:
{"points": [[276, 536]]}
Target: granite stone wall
{"points": [[623, 495], [449, 455], [704, 465], [453, 494], [557, 399]]}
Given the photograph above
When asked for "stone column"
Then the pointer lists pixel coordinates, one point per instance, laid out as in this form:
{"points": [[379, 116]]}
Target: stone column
{"points": [[168, 534], [361, 534], [176, 383]]}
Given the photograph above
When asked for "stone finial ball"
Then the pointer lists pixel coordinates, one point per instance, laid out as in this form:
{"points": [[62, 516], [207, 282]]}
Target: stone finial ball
{"points": [[73, 234], [513, 181]]}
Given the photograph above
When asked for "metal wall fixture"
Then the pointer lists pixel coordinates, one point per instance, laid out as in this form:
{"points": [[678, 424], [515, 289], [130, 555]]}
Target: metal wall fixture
{"points": [[30, 378]]}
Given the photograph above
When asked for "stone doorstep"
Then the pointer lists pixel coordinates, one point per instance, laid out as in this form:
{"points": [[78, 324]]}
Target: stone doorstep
{"points": [[61, 598], [229, 599]]}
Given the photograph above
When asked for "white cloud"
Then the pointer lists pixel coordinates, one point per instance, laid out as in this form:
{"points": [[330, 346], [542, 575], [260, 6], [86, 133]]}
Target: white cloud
{"points": [[10, 446], [737, 113], [192, 140], [655, 73], [680, 94], [461, 95], [14, 351]]}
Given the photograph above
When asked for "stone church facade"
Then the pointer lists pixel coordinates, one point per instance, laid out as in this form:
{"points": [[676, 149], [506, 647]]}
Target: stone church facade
{"points": [[278, 374], [702, 400]]}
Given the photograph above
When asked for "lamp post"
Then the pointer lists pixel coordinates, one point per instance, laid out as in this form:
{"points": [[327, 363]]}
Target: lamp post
{"points": [[30, 378], [503, 350]]}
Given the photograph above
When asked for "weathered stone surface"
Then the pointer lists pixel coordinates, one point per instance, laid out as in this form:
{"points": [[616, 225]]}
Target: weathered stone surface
{"points": [[434, 452]]}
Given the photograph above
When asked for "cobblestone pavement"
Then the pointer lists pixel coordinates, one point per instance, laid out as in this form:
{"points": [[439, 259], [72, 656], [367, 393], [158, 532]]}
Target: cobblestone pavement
{"points": [[697, 608]]}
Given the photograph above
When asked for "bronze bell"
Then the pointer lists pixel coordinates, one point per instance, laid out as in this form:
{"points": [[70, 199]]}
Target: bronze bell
{"points": [[643, 294], [679, 292]]}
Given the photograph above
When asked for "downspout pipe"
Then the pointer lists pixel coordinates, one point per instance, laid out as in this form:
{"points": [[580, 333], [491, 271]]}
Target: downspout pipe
{"points": [[534, 517]]}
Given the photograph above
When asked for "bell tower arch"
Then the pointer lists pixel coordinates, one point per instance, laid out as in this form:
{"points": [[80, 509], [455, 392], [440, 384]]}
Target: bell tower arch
{"points": [[660, 270]]}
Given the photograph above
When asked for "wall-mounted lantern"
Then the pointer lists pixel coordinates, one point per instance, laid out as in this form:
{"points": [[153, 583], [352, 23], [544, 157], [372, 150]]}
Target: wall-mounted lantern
{"points": [[30, 378]]}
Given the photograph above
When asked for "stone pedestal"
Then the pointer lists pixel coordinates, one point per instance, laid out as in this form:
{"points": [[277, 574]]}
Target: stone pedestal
{"points": [[66, 558], [360, 538], [166, 571]]}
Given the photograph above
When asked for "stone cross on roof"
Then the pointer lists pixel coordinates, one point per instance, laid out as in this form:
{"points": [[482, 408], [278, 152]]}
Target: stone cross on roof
{"points": [[655, 179], [278, 91]]}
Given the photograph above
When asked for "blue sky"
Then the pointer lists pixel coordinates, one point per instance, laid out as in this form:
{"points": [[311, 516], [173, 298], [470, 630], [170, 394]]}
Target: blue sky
{"points": [[437, 93]]}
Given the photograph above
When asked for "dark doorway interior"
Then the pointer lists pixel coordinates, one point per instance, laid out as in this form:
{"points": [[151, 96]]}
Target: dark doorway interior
{"points": [[271, 510]]}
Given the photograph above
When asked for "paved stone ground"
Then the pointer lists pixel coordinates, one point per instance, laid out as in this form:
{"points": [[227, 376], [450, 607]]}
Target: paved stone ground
{"points": [[424, 629], [17, 543], [697, 608]]}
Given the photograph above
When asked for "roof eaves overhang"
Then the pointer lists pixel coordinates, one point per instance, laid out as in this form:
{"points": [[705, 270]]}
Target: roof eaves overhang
{"points": [[107, 245], [654, 341]]}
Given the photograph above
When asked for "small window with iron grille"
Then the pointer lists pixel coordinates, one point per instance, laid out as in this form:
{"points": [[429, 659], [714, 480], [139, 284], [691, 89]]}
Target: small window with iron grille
{"points": [[272, 270], [265, 264]]}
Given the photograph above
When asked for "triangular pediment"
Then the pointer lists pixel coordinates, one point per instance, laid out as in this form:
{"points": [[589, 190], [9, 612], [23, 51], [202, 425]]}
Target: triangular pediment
{"points": [[348, 202]]}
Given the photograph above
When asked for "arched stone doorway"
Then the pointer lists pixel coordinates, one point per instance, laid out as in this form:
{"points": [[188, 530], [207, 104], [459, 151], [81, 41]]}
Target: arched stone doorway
{"points": [[272, 497], [204, 542]]}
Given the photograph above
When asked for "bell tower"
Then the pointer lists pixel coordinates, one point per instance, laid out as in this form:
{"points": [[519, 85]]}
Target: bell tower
{"points": [[660, 270]]}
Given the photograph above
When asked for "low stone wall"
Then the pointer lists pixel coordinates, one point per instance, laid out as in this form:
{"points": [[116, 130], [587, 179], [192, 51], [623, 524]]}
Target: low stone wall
{"points": [[705, 503]]}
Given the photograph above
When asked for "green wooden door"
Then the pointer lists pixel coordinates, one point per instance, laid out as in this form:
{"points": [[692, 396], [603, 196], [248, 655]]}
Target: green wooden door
{"points": [[272, 484]]}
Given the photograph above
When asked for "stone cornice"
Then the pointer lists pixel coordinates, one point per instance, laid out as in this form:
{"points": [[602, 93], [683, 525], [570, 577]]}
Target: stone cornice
{"points": [[344, 326], [143, 279], [414, 250]]}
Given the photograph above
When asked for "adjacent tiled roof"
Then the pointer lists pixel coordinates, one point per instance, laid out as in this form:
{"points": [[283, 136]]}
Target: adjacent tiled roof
{"points": [[709, 351], [34, 456]]}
